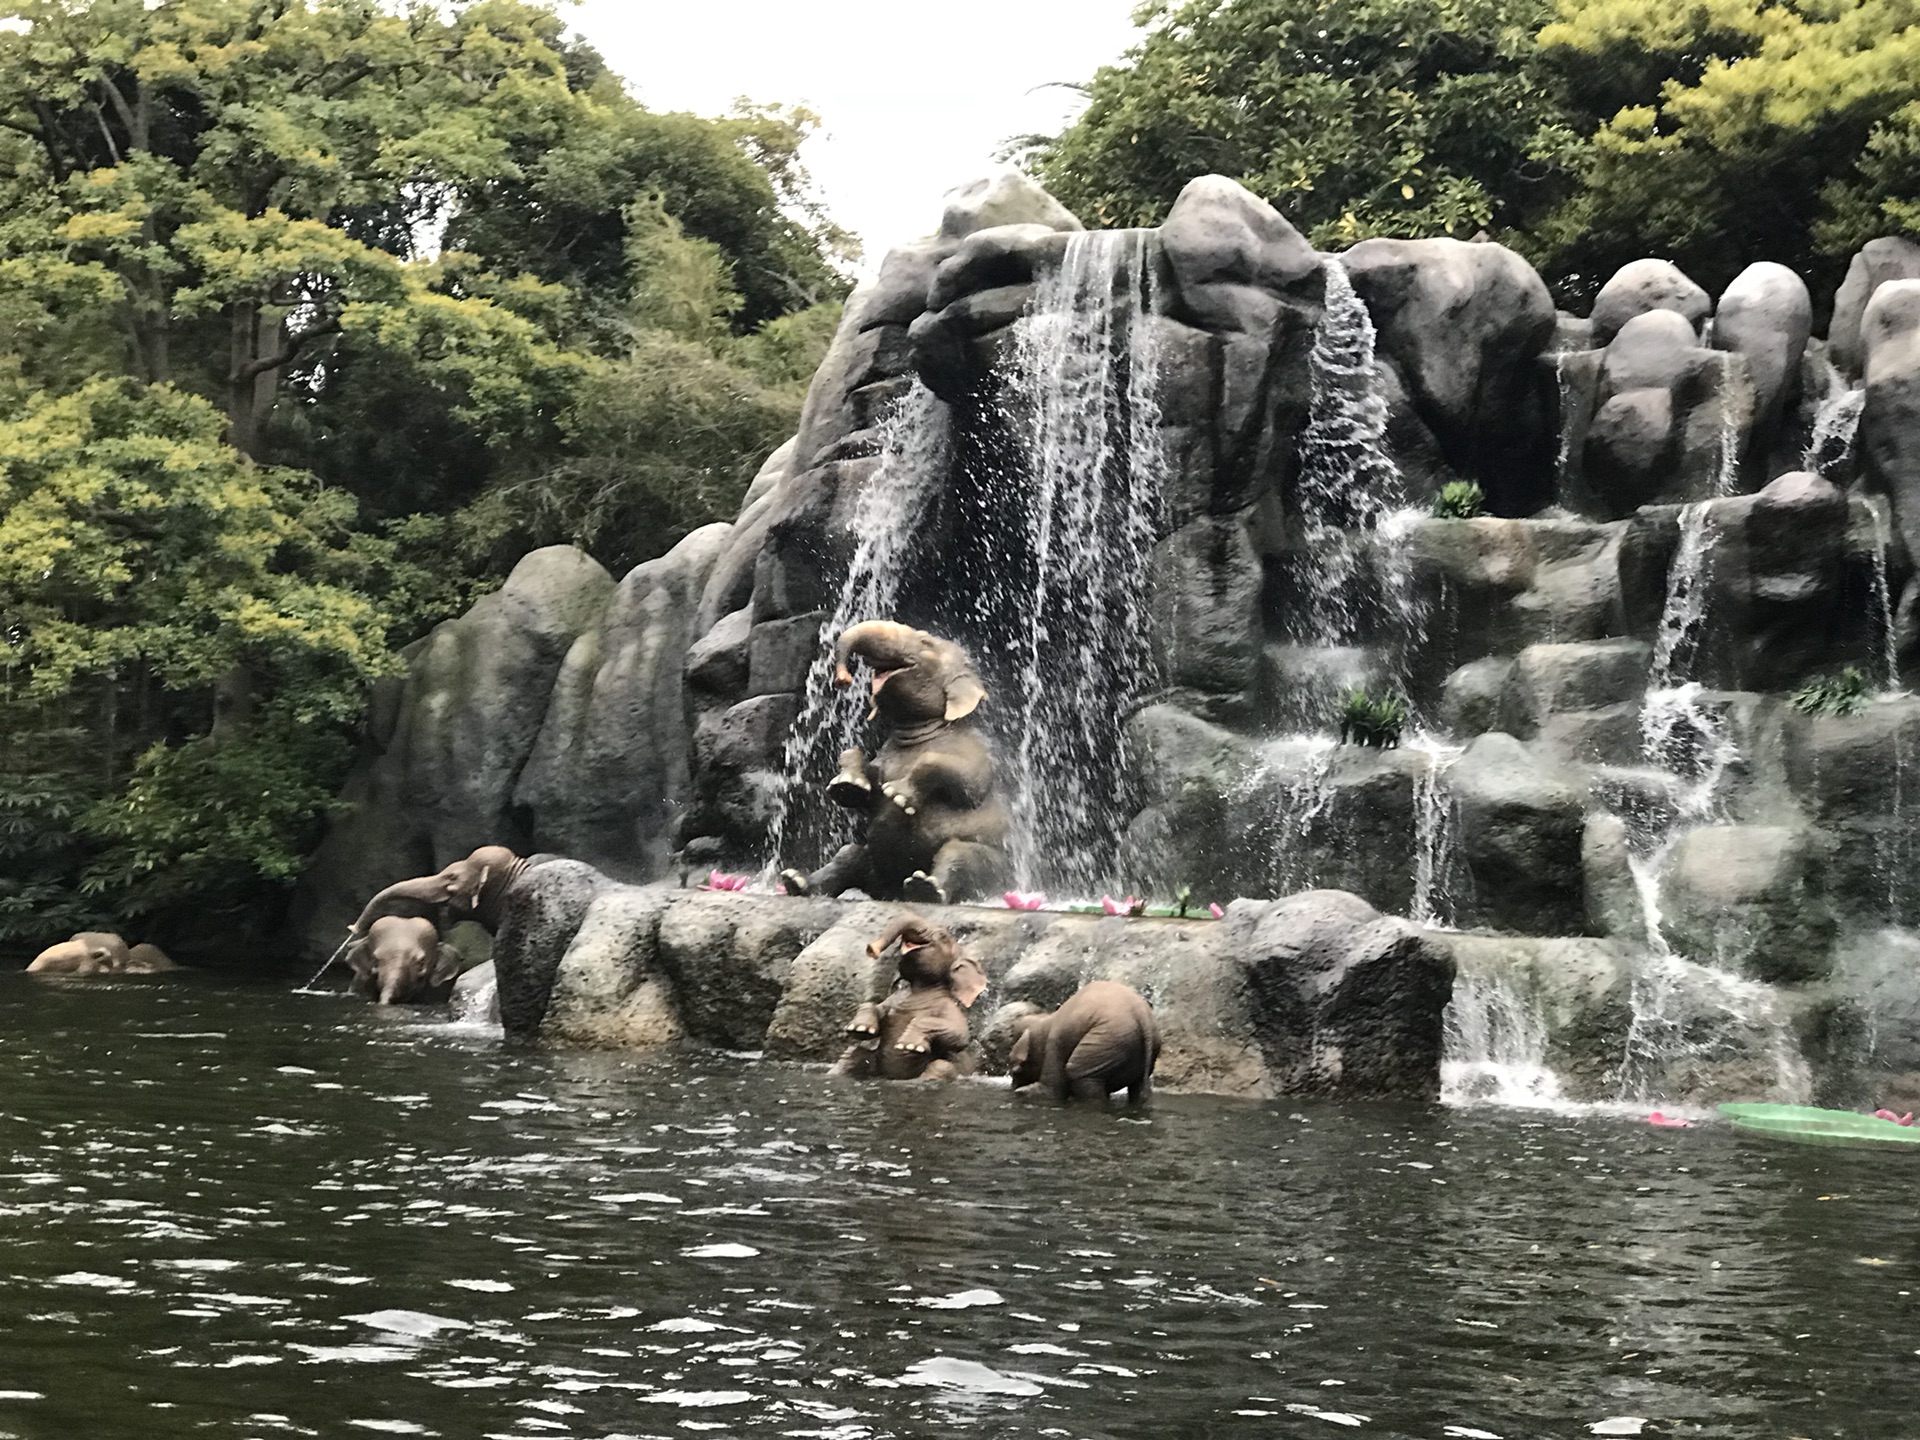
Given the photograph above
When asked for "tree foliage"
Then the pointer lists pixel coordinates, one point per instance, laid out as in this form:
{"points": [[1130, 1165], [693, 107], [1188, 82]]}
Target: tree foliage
{"points": [[1356, 118], [314, 314], [1587, 133]]}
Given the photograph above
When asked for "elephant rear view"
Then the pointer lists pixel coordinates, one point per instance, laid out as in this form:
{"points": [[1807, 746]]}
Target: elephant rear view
{"points": [[936, 827], [1102, 1040]]}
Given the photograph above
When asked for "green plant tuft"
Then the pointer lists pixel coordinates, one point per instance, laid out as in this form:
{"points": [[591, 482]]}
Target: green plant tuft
{"points": [[1844, 694], [1372, 720], [1459, 500]]}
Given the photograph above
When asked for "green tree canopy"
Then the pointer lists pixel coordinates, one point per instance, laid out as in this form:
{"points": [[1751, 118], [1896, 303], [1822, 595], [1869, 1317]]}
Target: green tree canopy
{"points": [[1734, 131], [1355, 118]]}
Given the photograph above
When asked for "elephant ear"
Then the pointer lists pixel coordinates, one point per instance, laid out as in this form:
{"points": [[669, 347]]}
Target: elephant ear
{"points": [[965, 693], [447, 964], [360, 959], [967, 981]]}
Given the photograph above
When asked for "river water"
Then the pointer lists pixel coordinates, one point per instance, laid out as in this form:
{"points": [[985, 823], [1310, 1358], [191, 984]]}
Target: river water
{"points": [[231, 1211]]}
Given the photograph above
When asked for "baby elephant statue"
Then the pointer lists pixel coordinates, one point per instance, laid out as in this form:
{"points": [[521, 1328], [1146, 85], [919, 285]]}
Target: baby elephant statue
{"points": [[402, 961], [936, 830], [1102, 1040], [100, 952], [469, 889], [919, 1033]]}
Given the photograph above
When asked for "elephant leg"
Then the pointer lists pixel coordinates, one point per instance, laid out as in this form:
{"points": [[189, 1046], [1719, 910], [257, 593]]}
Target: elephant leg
{"points": [[855, 1061], [962, 870], [1087, 1087], [851, 787], [1140, 1091], [844, 871], [940, 1070]]}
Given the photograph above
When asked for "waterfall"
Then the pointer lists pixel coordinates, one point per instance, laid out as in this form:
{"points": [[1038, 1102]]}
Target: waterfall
{"points": [[1668, 1036], [1563, 385], [1436, 833], [1354, 523], [1882, 594], [1278, 804], [1494, 1047], [1834, 425], [886, 516], [1083, 400]]}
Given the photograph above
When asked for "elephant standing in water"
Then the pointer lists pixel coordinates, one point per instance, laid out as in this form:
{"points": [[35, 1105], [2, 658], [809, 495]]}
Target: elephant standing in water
{"points": [[403, 961], [919, 1033], [471, 889], [936, 829], [1102, 1040]]}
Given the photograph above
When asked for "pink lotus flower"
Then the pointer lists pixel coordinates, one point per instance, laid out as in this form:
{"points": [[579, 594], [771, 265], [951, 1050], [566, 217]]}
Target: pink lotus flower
{"points": [[1215, 910], [1906, 1119], [1024, 899], [716, 880], [1132, 905], [1669, 1122]]}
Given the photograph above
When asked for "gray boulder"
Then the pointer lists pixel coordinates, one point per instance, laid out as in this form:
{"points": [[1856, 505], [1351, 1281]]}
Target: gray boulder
{"points": [[609, 988], [1522, 823], [1464, 325], [1890, 421], [544, 911], [1003, 197], [1765, 317], [1642, 286], [609, 771], [1749, 898], [1236, 262], [1876, 263]]}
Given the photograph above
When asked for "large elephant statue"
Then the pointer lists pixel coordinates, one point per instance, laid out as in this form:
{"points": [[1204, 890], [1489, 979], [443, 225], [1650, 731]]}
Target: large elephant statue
{"points": [[471, 889], [919, 1032], [100, 952], [936, 830], [401, 960], [1102, 1040]]}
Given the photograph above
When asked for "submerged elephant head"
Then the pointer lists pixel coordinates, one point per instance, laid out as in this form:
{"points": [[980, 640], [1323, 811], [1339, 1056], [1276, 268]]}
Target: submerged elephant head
{"points": [[929, 957], [402, 961], [917, 677], [91, 952]]}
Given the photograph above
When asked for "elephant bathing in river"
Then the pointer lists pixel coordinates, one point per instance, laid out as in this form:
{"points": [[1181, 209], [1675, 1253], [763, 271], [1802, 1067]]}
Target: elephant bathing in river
{"points": [[403, 961], [1102, 1040], [100, 952], [920, 1032], [936, 830]]}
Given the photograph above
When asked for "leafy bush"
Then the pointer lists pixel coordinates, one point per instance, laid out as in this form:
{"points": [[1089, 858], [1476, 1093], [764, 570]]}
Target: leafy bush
{"points": [[1459, 500], [1844, 694], [1372, 720]]}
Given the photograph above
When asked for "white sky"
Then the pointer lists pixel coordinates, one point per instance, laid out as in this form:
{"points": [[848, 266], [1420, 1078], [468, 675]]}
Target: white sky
{"points": [[915, 97]]}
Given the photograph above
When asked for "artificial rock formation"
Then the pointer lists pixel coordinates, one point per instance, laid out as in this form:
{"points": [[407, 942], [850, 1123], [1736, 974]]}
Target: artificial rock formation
{"points": [[1679, 528], [1317, 994]]}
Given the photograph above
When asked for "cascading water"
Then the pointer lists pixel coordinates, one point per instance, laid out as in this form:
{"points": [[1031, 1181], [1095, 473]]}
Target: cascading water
{"points": [[1356, 582], [886, 517], [1436, 833], [1835, 424], [1083, 400], [1882, 592], [1494, 1048]]}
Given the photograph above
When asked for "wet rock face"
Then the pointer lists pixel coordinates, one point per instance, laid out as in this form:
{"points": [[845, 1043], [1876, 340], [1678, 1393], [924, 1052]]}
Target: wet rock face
{"points": [[1890, 421], [1643, 287], [1315, 995], [1879, 262]]}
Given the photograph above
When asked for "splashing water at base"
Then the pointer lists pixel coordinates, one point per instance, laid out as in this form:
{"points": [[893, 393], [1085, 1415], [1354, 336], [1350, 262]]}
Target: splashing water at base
{"points": [[1495, 1047]]}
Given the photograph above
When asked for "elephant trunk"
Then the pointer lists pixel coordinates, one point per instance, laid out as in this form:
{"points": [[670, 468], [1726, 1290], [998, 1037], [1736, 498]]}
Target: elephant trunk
{"points": [[884, 644], [904, 928]]}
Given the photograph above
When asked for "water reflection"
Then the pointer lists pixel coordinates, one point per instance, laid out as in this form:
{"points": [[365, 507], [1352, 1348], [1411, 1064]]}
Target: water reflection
{"points": [[237, 1212]]}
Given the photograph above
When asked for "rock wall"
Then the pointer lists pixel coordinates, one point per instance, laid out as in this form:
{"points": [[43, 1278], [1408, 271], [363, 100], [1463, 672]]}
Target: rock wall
{"points": [[1680, 527], [1317, 994]]}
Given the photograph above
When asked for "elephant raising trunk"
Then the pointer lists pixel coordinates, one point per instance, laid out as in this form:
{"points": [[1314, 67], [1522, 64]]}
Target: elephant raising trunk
{"points": [[918, 1032], [936, 830]]}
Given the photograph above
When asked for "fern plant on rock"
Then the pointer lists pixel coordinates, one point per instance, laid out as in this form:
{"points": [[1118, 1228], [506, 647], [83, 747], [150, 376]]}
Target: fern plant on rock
{"points": [[1372, 720], [1844, 694], [1459, 500]]}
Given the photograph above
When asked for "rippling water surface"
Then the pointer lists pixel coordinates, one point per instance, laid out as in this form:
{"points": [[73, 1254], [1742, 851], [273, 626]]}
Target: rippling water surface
{"points": [[234, 1211]]}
